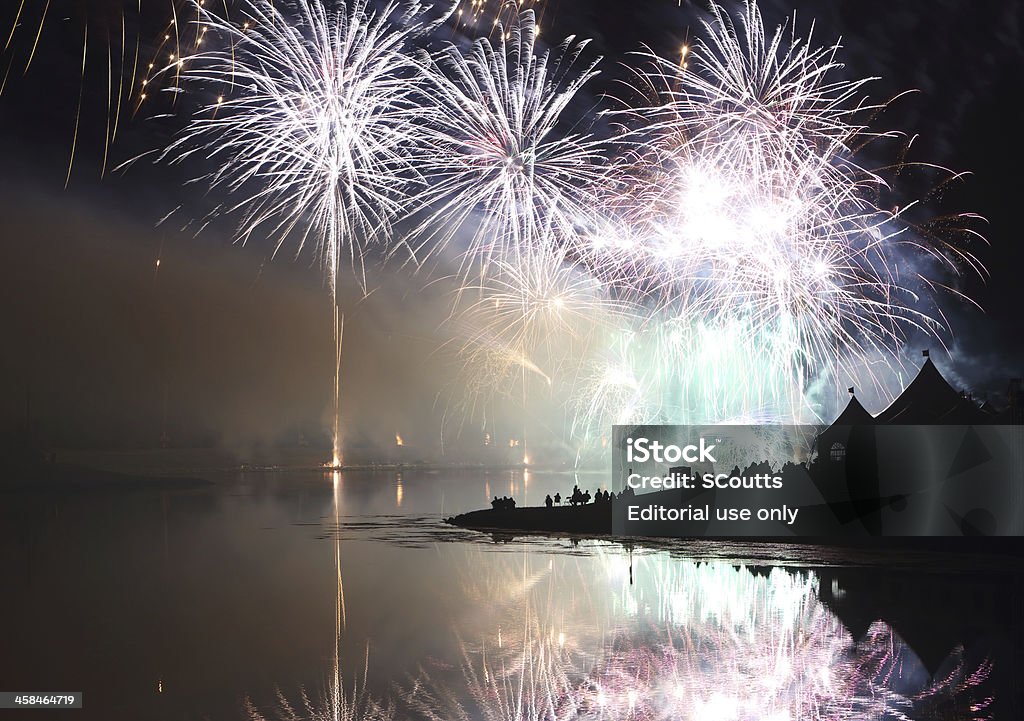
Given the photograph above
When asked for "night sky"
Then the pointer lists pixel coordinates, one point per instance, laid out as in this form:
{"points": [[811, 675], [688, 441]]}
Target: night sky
{"points": [[233, 348]]}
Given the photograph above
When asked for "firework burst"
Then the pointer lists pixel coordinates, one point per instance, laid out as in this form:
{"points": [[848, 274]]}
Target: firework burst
{"points": [[311, 125], [755, 239], [499, 172]]}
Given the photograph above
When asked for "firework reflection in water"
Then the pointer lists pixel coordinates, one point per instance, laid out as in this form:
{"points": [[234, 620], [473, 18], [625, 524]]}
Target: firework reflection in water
{"points": [[686, 640], [339, 704], [526, 660]]}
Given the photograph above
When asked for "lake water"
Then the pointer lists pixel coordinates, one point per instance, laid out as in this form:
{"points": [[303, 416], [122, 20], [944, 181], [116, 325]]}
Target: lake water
{"points": [[278, 593]]}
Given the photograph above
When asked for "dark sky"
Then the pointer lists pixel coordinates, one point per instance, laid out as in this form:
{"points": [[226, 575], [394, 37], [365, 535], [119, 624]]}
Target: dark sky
{"points": [[108, 347]]}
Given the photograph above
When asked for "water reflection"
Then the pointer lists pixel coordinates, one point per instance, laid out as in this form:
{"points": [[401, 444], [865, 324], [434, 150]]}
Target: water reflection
{"points": [[337, 695], [381, 611], [651, 636], [687, 640], [336, 701], [336, 704]]}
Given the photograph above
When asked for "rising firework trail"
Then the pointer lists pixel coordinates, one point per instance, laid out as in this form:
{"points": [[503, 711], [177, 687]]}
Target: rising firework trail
{"points": [[339, 337]]}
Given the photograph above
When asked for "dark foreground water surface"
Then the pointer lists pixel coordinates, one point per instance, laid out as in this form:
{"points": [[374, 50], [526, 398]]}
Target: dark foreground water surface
{"points": [[300, 594]]}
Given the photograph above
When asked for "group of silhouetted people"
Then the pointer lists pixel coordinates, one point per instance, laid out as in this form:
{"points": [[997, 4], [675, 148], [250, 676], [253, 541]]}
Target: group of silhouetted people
{"points": [[578, 498], [503, 504]]}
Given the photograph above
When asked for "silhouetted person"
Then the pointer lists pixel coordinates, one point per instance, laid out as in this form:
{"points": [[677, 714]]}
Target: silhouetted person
{"points": [[548, 502], [495, 503], [586, 498], [558, 499]]}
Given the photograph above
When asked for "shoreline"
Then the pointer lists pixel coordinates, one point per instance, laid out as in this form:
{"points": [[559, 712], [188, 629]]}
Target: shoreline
{"points": [[73, 477]]}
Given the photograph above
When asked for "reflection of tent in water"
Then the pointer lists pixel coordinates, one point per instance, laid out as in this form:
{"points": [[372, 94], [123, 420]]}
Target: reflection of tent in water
{"points": [[933, 613], [933, 447]]}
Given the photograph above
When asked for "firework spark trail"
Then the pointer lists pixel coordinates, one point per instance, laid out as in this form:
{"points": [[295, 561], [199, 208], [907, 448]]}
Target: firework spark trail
{"points": [[739, 227], [493, 17], [124, 30], [538, 303], [734, 238]]}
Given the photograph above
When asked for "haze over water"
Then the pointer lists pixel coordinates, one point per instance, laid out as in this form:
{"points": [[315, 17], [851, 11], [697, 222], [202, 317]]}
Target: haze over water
{"points": [[183, 604]]}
